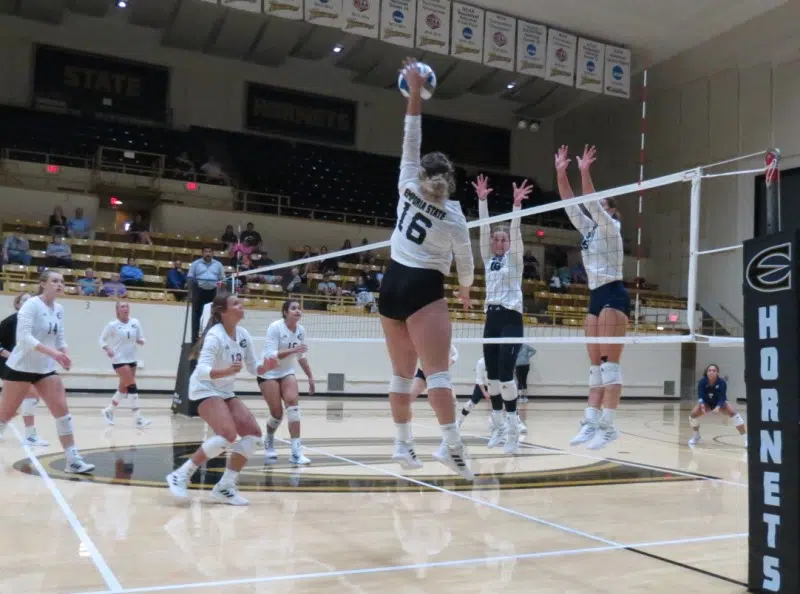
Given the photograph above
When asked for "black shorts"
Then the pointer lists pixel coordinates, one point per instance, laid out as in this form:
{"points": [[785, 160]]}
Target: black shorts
{"points": [[502, 358], [194, 405], [406, 290], [613, 295], [420, 374], [118, 365], [12, 375]]}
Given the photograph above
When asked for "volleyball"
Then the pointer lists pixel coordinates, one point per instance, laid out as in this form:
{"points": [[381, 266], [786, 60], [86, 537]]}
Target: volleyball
{"points": [[430, 81]]}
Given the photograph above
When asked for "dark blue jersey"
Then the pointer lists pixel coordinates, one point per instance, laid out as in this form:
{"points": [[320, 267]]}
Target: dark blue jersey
{"points": [[712, 395]]}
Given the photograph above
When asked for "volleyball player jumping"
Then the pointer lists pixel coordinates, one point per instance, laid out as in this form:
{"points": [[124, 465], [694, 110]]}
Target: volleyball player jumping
{"points": [[609, 303], [502, 251], [430, 229]]}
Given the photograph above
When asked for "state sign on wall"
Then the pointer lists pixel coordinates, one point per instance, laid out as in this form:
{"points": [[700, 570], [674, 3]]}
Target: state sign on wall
{"points": [[618, 72], [590, 66], [327, 13], [531, 48], [362, 17], [249, 5], [467, 32], [286, 9], [397, 21], [433, 26], [561, 57], [499, 40]]}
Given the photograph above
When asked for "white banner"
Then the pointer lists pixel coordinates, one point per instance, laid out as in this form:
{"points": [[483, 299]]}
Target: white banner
{"points": [[433, 26], [467, 32], [618, 72], [327, 13], [561, 57], [531, 48], [397, 21], [250, 5], [286, 9], [362, 17], [499, 41], [591, 66]]}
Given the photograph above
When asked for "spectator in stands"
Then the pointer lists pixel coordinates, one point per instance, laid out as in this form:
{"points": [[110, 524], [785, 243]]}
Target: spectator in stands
{"points": [[78, 226], [291, 280], [352, 258], [58, 253], [57, 224], [16, 248], [176, 281], [242, 249], [556, 286], [213, 170], [89, 285], [308, 267], [329, 264], [364, 256], [229, 238], [184, 166], [262, 259], [326, 286], [139, 231], [578, 273], [530, 266], [205, 275], [113, 287], [565, 276], [250, 231], [130, 274]]}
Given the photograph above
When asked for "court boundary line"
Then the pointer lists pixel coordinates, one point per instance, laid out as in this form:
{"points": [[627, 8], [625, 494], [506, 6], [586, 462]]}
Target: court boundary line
{"points": [[413, 566], [99, 561]]}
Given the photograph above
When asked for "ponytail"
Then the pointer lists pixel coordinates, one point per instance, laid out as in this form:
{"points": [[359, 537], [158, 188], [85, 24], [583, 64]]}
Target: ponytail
{"points": [[218, 306]]}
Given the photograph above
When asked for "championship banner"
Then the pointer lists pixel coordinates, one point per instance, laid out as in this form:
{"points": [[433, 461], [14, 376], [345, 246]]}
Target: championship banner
{"points": [[397, 21], [327, 13], [771, 341], [249, 5], [91, 83], [362, 17], [499, 41], [618, 72], [591, 66], [433, 26], [301, 115], [285, 9], [531, 48], [467, 32], [561, 57]]}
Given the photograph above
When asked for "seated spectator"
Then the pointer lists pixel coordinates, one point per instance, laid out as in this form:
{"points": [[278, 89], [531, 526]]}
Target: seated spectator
{"points": [[578, 273], [130, 274], [176, 281], [57, 223], [260, 259], [530, 266], [329, 264], [213, 170], [364, 256], [184, 166], [89, 285], [351, 258], [78, 226], [291, 280], [139, 231], [229, 238], [16, 248], [556, 286], [242, 249], [326, 286], [250, 231], [308, 267], [114, 288], [58, 253], [565, 276]]}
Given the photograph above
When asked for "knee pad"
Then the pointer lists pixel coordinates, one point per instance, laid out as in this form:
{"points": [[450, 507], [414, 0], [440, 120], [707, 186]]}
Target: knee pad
{"points": [[247, 445], [133, 400], [595, 377], [133, 389], [273, 423], [494, 387], [508, 390], [293, 414], [441, 380], [64, 425], [611, 374], [26, 410], [400, 385], [693, 422], [737, 418], [214, 446]]}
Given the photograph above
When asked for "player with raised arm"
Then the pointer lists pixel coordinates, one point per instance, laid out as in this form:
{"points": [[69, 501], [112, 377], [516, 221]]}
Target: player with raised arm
{"points": [[712, 395], [502, 251], [119, 340], [224, 348], [430, 230], [286, 344], [40, 346], [609, 303]]}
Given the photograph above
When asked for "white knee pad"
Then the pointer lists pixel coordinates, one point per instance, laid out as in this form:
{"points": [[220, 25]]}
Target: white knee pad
{"points": [[293, 414], [214, 446], [508, 390], [595, 377], [494, 387], [693, 423], [247, 445], [611, 374], [400, 385], [64, 425], [738, 420], [440, 379], [26, 410], [273, 423]]}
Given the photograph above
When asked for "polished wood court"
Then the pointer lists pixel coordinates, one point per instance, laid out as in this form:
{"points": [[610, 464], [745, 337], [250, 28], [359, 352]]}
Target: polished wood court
{"points": [[648, 514]]}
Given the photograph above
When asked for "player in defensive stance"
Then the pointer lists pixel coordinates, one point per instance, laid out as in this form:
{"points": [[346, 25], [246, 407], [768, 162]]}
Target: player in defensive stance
{"points": [[119, 340], [224, 348], [286, 344], [502, 251], [609, 303], [712, 395], [414, 316], [8, 338], [32, 364]]}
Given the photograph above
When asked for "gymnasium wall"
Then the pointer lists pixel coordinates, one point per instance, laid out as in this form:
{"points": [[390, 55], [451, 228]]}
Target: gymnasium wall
{"points": [[557, 370]]}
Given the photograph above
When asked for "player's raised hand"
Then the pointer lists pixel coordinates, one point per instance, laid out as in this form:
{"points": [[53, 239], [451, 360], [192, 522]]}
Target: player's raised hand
{"points": [[482, 188], [522, 192], [589, 157], [562, 159]]}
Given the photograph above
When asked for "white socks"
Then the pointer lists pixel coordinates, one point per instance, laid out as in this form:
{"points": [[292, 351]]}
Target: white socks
{"points": [[403, 431]]}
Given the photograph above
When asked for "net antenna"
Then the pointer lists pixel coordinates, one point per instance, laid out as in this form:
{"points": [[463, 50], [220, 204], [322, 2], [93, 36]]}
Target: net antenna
{"points": [[773, 181]]}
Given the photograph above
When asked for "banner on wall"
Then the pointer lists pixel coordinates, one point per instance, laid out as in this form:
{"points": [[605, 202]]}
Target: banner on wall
{"points": [[531, 48], [362, 17], [499, 41], [561, 57], [327, 13], [249, 5], [590, 66], [433, 26], [397, 21], [617, 72], [286, 9], [467, 32]]}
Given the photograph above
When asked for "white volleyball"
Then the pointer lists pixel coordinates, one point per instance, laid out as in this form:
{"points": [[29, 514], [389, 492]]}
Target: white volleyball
{"points": [[427, 88]]}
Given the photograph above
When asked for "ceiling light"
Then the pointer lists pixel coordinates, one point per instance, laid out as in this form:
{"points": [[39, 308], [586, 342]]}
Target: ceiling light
{"points": [[511, 85], [122, 4], [337, 49]]}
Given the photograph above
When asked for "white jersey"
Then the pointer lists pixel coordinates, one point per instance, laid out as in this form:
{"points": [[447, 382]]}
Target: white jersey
{"points": [[428, 235], [453, 354], [481, 378], [281, 338], [121, 338], [503, 273], [601, 247], [37, 323], [218, 352], [205, 316]]}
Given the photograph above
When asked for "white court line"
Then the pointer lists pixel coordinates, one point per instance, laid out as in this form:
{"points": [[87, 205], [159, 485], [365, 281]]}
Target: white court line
{"points": [[427, 565], [99, 561]]}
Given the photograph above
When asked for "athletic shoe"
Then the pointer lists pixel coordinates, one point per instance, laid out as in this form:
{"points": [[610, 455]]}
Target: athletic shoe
{"points": [[405, 455], [587, 433], [694, 439], [458, 460], [227, 494], [603, 437], [36, 441], [108, 415], [78, 466], [178, 484]]}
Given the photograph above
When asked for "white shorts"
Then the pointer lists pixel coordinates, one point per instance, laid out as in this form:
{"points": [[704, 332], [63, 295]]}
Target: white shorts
{"points": [[197, 391]]}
